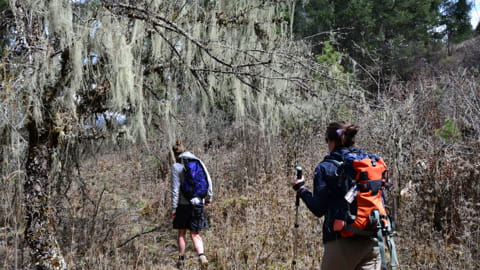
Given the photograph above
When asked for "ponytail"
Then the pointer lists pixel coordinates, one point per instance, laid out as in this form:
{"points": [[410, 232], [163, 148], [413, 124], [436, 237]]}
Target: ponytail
{"points": [[341, 133]]}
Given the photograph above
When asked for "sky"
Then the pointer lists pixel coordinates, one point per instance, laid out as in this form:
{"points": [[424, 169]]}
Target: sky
{"points": [[475, 13]]}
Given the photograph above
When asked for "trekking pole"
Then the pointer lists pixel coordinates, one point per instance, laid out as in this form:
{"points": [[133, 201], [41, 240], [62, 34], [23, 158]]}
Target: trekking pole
{"points": [[297, 203]]}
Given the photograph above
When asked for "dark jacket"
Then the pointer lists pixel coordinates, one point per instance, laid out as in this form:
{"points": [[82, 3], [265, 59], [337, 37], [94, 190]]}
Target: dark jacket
{"points": [[328, 195]]}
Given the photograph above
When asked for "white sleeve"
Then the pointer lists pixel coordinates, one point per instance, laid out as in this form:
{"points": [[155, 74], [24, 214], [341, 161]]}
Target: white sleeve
{"points": [[176, 170]]}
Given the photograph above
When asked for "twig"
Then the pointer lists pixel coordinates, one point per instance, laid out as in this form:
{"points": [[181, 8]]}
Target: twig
{"points": [[137, 235], [194, 72]]}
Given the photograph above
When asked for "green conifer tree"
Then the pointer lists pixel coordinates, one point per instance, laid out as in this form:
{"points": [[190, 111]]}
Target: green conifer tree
{"points": [[456, 18], [383, 35]]}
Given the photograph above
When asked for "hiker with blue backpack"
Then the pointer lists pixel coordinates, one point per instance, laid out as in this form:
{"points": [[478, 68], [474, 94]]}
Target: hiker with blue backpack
{"points": [[348, 188], [191, 191]]}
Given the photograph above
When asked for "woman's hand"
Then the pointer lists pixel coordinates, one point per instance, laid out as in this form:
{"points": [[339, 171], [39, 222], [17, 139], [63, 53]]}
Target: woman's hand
{"points": [[298, 183]]}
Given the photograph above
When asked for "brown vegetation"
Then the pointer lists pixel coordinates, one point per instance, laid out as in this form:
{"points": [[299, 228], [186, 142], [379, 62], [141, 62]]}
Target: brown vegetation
{"points": [[116, 211], [251, 123]]}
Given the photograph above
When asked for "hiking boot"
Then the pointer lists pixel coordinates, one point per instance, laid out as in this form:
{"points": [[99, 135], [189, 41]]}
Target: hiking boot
{"points": [[181, 262], [203, 262]]}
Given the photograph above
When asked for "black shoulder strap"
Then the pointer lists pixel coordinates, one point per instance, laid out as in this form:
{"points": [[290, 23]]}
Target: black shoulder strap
{"points": [[337, 164], [334, 161]]}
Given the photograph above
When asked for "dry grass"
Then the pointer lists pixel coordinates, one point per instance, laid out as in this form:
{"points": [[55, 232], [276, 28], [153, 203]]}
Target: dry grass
{"points": [[115, 214]]}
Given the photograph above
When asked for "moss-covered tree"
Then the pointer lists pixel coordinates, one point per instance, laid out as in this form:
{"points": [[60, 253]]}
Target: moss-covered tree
{"points": [[70, 63]]}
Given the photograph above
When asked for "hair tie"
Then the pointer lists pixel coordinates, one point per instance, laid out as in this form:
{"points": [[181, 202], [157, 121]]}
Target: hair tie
{"points": [[339, 131]]}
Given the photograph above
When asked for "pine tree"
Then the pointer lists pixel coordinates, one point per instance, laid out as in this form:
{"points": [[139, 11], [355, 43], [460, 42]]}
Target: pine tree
{"points": [[314, 20], [456, 18], [382, 34]]}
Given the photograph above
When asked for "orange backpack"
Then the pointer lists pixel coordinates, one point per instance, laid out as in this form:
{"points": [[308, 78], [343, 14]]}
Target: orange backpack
{"points": [[363, 178], [366, 177]]}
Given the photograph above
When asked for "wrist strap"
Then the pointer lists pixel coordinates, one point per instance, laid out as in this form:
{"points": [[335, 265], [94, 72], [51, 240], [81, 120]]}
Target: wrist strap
{"points": [[298, 185]]}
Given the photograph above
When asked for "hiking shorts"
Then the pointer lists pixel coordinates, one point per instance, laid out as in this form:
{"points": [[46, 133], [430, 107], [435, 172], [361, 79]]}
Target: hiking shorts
{"points": [[190, 217]]}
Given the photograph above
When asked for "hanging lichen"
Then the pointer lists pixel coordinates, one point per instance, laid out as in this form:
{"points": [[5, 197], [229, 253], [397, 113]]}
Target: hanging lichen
{"points": [[179, 55], [88, 71], [61, 20]]}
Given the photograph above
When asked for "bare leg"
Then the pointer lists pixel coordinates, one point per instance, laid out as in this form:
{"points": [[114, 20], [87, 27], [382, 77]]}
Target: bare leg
{"points": [[197, 242], [182, 241]]}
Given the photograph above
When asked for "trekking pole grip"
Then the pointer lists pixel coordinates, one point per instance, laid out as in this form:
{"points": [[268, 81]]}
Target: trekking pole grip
{"points": [[299, 172]]}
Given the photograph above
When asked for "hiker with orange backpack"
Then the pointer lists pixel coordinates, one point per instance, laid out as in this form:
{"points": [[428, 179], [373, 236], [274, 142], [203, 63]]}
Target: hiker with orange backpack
{"points": [[191, 191], [348, 190]]}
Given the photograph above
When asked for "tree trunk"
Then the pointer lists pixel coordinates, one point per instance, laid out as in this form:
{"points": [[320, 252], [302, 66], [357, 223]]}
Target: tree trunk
{"points": [[40, 225]]}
